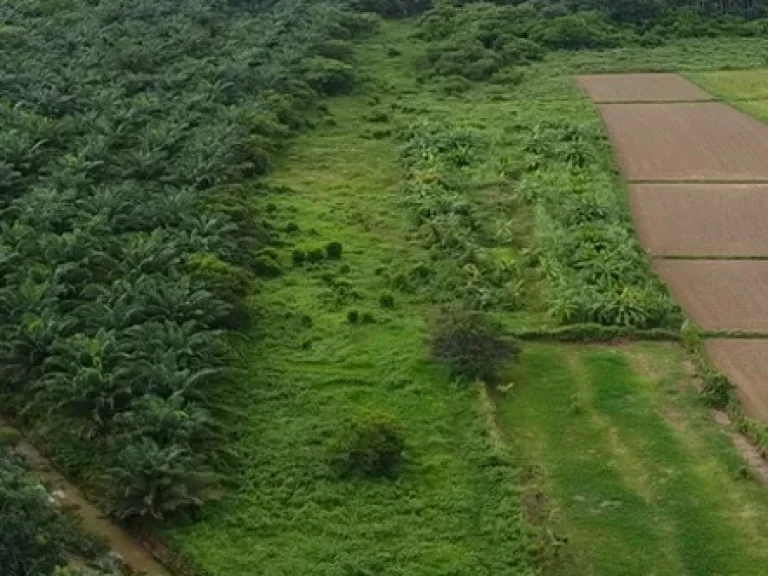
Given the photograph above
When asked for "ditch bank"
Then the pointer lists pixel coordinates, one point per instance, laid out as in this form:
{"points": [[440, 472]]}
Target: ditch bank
{"points": [[133, 555]]}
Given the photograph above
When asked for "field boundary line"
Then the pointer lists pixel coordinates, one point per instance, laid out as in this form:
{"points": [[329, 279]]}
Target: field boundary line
{"points": [[733, 335], [708, 257], [693, 181], [646, 102]]}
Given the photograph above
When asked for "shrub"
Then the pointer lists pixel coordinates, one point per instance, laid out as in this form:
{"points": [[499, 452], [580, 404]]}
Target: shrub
{"points": [[369, 445], [716, 389], [378, 116], [386, 300], [266, 267], [359, 25], [336, 49], [315, 255], [228, 281], [577, 32], [392, 8], [454, 85], [333, 250], [471, 344], [508, 77], [368, 318], [328, 75], [353, 316], [298, 256], [9, 436]]}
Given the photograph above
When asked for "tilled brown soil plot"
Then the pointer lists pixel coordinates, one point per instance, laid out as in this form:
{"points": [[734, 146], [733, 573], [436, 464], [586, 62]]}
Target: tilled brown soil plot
{"points": [[745, 362], [691, 141], [728, 295], [603, 88], [675, 153], [701, 219]]}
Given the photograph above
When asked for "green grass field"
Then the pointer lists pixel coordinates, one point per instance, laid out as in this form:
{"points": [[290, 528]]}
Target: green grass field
{"points": [[635, 477], [640, 479]]}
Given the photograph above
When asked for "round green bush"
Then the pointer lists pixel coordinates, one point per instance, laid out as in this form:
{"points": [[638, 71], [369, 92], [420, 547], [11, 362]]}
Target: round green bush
{"points": [[471, 344], [315, 255], [298, 256], [333, 250], [386, 300], [370, 445], [368, 318], [353, 316]]}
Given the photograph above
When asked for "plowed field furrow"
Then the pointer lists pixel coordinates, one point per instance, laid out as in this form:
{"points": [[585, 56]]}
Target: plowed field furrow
{"points": [[701, 219], [720, 294], [604, 88], [678, 151], [696, 141], [745, 362]]}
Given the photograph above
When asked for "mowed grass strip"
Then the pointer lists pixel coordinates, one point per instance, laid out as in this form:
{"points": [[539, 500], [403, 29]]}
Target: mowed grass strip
{"points": [[733, 84], [640, 479]]}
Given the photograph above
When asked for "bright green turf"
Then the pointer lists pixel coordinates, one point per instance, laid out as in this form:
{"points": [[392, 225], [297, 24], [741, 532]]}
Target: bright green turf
{"points": [[456, 509], [640, 479], [734, 85]]}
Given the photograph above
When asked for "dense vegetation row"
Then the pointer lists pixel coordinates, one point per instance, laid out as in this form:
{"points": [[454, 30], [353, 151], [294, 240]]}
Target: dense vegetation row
{"points": [[595, 268], [131, 131], [476, 40], [465, 265]]}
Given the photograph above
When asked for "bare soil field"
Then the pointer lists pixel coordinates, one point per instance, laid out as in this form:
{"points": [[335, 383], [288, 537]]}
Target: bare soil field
{"points": [[604, 88], [701, 219], [720, 294], [695, 141], [745, 362]]}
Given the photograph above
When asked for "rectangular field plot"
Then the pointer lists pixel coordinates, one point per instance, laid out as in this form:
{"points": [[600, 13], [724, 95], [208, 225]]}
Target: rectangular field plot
{"points": [[701, 219], [697, 141], [745, 362], [720, 294], [603, 88]]}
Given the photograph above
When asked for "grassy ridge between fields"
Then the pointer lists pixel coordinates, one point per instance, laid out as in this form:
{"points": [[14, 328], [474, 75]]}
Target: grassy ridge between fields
{"points": [[457, 506]]}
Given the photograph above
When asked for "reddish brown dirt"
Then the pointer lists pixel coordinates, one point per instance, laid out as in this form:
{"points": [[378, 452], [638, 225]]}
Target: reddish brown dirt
{"points": [[698, 141], [745, 362], [641, 88], [720, 294], [701, 219]]}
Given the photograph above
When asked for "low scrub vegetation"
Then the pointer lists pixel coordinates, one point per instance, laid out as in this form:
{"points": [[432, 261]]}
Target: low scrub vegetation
{"points": [[471, 344], [439, 160], [594, 266], [476, 40], [370, 445]]}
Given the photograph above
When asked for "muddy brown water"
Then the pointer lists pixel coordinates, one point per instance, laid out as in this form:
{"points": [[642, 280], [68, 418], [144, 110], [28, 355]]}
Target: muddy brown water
{"points": [[135, 556]]}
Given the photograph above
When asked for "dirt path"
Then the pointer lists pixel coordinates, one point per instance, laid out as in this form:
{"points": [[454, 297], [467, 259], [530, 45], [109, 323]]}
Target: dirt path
{"points": [[697, 172], [135, 556]]}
